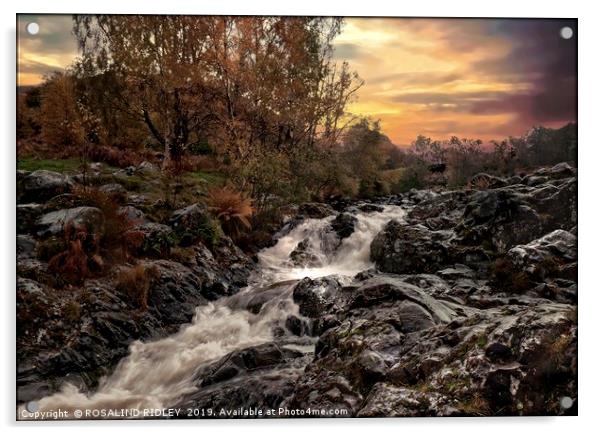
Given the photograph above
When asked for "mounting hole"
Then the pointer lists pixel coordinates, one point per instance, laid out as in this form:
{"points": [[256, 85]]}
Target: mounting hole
{"points": [[566, 33], [32, 28], [566, 402], [32, 406]]}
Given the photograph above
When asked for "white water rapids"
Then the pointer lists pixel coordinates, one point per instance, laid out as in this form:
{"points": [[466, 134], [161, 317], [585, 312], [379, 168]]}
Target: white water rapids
{"points": [[156, 374]]}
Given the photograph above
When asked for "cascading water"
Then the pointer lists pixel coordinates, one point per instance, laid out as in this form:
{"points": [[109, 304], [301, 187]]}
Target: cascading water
{"points": [[156, 374]]}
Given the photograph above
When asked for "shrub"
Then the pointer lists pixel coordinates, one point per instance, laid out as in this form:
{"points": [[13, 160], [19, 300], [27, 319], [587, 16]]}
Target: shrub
{"points": [[120, 238], [72, 311], [233, 209], [479, 182], [183, 255], [73, 264], [505, 276], [46, 249], [135, 282]]}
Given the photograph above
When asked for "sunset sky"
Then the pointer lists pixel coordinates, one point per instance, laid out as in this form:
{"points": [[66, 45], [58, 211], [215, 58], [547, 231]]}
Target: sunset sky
{"points": [[438, 77]]}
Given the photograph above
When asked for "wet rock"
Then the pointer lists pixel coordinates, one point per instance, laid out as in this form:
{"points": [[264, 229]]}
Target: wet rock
{"points": [[115, 191], [556, 205], [498, 352], [175, 293], [147, 166], [302, 255], [317, 297], [561, 170], [41, 185], [258, 377], [546, 256], [326, 390], [54, 223], [419, 196], [498, 219], [440, 212], [344, 225], [26, 246], [27, 214], [315, 210], [375, 291], [387, 400], [297, 326], [132, 214], [401, 248], [370, 208]]}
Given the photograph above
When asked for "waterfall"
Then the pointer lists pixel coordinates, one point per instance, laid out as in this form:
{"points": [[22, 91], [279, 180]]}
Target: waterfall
{"points": [[156, 374]]}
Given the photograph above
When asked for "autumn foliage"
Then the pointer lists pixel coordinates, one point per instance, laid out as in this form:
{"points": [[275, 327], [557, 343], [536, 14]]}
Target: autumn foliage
{"points": [[233, 209]]}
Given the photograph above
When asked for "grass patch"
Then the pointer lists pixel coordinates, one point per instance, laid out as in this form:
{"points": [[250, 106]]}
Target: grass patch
{"points": [[64, 165], [203, 178]]}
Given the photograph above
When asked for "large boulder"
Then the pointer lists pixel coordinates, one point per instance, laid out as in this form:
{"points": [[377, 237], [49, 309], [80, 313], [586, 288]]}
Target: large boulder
{"points": [[549, 255], [556, 204], [246, 383], [401, 248], [191, 223], [91, 219], [41, 185], [497, 220], [315, 210], [317, 297], [344, 225], [558, 171], [115, 191]]}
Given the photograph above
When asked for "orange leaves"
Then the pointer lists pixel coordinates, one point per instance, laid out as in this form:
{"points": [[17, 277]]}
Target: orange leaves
{"points": [[233, 209]]}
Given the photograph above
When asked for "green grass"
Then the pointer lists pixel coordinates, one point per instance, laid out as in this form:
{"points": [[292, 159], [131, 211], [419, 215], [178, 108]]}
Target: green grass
{"points": [[69, 166], [31, 164], [202, 177]]}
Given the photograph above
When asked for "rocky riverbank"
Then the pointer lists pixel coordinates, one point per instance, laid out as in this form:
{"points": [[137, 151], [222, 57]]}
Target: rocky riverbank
{"points": [[78, 333], [469, 310], [427, 303]]}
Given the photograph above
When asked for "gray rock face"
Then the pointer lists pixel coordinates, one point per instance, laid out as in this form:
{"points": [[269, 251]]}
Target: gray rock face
{"points": [[54, 223], [146, 166], [260, 377], [401, 248], [547, 254], [133, 214], [114, 190], [41, 185]]}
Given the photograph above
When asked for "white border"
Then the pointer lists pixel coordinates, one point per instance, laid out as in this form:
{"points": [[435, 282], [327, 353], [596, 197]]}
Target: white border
{"points": [[590, 173]]}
